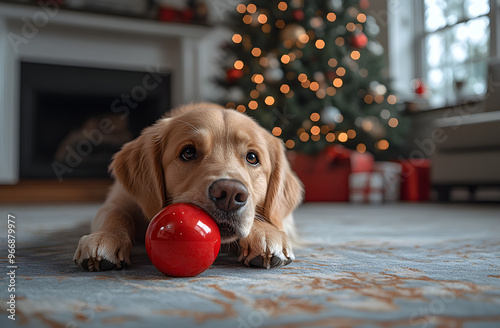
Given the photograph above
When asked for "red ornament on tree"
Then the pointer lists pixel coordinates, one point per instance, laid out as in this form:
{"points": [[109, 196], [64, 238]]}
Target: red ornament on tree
{"points": [[298, 15], [364, 4], [419, 87], [359, 40], [233, 74]]}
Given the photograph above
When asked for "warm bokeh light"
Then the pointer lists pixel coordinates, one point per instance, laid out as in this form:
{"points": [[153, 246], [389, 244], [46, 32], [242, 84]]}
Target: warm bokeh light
{"points": [[320, 44], [393, 122], [300, 131], [285, 88], [331, 91], [237, 38], [263, 61], [285, 59], [254, 94], [361, 18], [261, 87], [253, 105], [282, 6], [361, 148], [305, 84], [241, 8], [247, 19], [321, 93], [315, 130], [280, 23], [331, 17], [332, 62], [302, 77], [339, 41], [230, 105], [342, 137], [391, 99], [337, 82], [351, 134], [277, 131], [340, 71], [350, 27], [314, 86], [325, 129], [314, 117], [355, 55], [251, 8], [330, 137], [382, 144], [269, 100], [304, 136], [238, 64], [241, 108], [266, 28], [368, 99], [262, 18], [303, 38], [315, 137], [290, 144], [257, 78], [256, 52]]}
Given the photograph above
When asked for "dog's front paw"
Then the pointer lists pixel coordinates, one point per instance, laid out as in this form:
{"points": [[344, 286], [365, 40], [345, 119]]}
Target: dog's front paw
{"points": [[266, 247], [101, 251]]}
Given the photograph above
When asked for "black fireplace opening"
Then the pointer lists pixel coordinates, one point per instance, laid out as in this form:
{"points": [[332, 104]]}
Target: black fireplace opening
{"points": [[73, 118]]}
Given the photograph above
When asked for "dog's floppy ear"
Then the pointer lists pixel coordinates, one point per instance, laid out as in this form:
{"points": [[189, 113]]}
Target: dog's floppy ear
{"points": [[285, 190], [138, 167]]}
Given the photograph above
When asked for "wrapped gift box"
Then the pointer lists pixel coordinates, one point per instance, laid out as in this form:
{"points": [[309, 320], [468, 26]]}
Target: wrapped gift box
{"points": [[391, 173], [325, 175], [415, 180], [366, 187]]}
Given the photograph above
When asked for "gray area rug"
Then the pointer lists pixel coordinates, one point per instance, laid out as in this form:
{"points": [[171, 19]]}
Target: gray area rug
{"points": [[401, 265]]}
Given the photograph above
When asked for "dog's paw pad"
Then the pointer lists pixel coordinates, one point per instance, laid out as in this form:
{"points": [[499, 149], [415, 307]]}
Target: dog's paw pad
{"points": [[257, 261]]}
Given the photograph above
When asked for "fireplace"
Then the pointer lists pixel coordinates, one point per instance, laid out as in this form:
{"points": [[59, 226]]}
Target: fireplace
{"points": [[74, 118]]}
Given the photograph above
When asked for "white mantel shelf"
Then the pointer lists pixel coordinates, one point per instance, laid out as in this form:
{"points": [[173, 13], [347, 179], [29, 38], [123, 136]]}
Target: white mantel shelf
{"points": [[105, 22]]}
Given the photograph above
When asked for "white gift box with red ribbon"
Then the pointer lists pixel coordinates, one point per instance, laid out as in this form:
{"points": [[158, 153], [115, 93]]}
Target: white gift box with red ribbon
{"points": [[381, 184], [366, 187]]}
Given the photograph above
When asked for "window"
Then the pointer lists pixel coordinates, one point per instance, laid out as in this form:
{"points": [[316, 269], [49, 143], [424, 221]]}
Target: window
{"points": [[455, 42]]}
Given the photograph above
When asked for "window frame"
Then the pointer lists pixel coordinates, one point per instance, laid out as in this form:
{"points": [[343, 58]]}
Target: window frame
{"points": [[421, 66]]}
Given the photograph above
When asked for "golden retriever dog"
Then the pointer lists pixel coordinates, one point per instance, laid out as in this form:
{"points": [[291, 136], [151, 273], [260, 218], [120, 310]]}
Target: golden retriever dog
{"points": [[209, 156]]}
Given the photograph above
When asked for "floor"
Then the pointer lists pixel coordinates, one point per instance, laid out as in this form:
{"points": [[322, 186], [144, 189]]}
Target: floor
{"points": [[395, 265]]}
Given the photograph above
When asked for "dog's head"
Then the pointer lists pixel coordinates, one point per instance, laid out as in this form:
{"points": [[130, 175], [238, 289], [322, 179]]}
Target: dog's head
{"points": [[218, 159]]}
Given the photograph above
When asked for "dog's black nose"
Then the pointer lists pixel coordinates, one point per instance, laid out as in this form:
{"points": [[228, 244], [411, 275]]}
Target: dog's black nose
{"points": [[228, 195]]}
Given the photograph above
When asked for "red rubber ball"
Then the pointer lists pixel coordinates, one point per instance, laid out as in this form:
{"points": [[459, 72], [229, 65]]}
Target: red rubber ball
{"points": [[182, 240]]}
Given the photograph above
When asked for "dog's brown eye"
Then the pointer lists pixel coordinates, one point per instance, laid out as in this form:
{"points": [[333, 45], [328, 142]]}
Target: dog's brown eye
{"points": [[252, 158], [188, 153]]}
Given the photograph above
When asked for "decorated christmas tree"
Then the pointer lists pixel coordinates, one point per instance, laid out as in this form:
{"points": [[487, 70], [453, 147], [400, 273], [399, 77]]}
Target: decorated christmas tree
{"points": [[313, 74]]}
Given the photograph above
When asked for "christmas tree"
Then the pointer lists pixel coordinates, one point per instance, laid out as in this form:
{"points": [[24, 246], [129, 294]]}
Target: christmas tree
{"points": [[313, 74]]}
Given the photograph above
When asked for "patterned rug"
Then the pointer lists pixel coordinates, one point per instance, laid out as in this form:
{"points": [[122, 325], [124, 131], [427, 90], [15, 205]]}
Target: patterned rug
{"points": [[400, 265]]}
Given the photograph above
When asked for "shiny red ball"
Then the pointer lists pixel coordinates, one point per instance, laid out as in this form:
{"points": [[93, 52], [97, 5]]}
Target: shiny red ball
{"points": [[182, 240]]}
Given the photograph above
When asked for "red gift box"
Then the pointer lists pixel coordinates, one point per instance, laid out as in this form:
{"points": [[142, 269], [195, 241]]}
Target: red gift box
{"points": [[415, 180], [326, 175]]}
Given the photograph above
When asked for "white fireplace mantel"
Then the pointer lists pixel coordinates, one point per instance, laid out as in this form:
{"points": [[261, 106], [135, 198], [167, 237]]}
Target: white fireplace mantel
{"points": [[57, 36]]}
